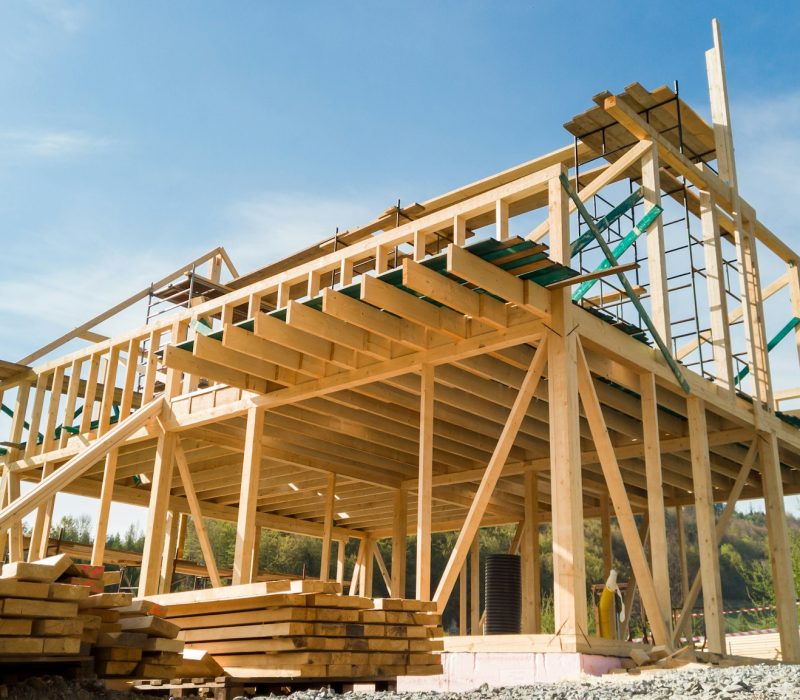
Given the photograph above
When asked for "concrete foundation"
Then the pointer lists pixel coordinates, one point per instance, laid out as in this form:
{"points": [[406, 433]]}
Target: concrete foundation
{"points": [[471, 669]]}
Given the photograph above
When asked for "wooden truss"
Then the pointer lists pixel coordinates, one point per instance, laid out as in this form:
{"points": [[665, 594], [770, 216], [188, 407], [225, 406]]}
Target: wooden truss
{"points": [[416, 375]]}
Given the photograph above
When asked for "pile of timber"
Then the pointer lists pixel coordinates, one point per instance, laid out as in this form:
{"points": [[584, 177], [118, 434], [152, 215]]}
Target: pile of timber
{"points": [[39, 616], [132, 639], [307, 629], [659, 658]]}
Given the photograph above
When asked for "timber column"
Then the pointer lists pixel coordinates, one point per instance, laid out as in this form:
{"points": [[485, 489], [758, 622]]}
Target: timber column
{"points": [[569, 563]]}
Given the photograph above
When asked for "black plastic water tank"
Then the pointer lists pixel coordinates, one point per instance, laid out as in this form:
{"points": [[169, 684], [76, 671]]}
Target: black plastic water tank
{"points": [[503, 594]]}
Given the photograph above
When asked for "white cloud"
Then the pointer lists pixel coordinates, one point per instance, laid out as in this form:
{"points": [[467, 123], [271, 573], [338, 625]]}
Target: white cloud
{"points": [[68, 16], [50, 143], [274, 225]]}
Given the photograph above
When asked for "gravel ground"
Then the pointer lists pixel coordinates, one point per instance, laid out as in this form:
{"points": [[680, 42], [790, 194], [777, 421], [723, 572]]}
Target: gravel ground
{"points": [[739, 682], [57, 688]]}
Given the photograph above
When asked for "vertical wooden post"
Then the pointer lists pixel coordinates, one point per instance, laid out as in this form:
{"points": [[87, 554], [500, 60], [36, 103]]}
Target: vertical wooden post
{"points": [[656, 264], [793, 271], [717, 299], [684, 566], [425, 483], [15, 544], [605, 536], [462, 600], [106, 497], [40, 535], [327, 530], [168, 558], [248, 498], [569, 563], [367, 568], [706, 526], [356, 578], [655, 497], [753, 314], [475, 585], [779, 552], [340, 545], [529, 549], [156, 523], [399, 530]]}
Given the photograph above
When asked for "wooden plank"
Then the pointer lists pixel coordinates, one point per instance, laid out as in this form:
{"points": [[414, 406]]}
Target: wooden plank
{"points": [[197, 515], [493, 471], [327, 533], [656, 261], [168, 556], [569, 568], [655, 497], [40, 535], [106, 497], [79, 464], [780, 554], [475, 584], [425, 483], [160, 486], [597, 274], [605, 535], [529, 551], [717, 297], [690, 593], [248, 499], [706, 533], [619, 498], [399, 545]]}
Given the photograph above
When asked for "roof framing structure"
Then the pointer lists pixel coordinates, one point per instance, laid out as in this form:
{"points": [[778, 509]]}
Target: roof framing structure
{"points": [[430, 372]]}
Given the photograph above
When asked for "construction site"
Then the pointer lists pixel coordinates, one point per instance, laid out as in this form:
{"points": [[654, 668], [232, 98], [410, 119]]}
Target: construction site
{"points": [[580, 337]]}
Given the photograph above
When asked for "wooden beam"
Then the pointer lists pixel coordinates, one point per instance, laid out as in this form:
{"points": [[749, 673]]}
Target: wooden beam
{"points": [[490, 477], [40, 535], [566, 492], [399, 529], [531, 605], [683, 630], [656, 262], [462, 601], [619, 498], [197, 515], [106, 498], [708, 546], [779, 552], [690, 593], [597, 274], [248, 499], [425, 483], [340, 559], [615, 171], [475, 585], [365, 587], [79, 464], [169, 555], [655, 497], [387, 579], [605, 536], [327, 533], [160, 485]]}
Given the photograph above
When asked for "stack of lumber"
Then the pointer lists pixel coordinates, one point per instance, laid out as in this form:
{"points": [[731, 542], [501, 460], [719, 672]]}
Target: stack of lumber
{"points": [[132, 638], [305, 629], [39, 616]]}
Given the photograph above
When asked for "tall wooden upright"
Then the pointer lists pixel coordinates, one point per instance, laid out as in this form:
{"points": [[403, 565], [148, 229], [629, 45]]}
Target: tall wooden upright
{"points": [[425, 483], [569, 562], [706, 527], [399, 531], [248, 498], [779, 553], [529, 551], [655, 496]]}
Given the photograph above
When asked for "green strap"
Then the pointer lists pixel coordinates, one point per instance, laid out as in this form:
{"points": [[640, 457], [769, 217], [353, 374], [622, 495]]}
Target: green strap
{"points": [[676, 370], [782, 333], [606, 221], [622, 246]]}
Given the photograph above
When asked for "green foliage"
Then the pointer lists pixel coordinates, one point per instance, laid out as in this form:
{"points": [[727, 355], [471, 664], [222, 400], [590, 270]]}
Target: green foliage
{"points": [[744, 564]]}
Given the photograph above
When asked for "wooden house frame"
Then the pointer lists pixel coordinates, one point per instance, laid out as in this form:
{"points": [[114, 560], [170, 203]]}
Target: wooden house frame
{"points": [[403, 379]]}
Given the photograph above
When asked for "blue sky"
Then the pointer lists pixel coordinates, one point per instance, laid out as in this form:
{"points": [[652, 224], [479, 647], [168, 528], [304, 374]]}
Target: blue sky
{"points": [[137, 135]]}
